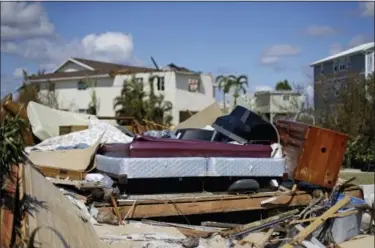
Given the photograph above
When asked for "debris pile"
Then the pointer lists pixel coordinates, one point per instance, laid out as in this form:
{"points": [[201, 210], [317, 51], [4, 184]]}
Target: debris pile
{"points": [[172, 188]]}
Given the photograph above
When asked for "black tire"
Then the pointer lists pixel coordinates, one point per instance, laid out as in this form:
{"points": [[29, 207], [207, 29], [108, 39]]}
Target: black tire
{"points": [[244, 186]]}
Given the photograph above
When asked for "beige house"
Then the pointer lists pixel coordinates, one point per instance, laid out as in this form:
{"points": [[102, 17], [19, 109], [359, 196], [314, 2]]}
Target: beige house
{"points": [[273, 104], [188, 91]]}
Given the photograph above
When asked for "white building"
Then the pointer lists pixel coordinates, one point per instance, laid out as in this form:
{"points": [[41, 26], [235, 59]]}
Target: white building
{"points": [[185, 89], [247, 101], [277, 103]]}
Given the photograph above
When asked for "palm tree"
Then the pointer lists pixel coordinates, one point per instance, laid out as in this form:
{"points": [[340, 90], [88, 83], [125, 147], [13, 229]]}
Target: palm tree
{"points": [[27, 92], [157, 107], [160, 110], [224, 83], [131, 100], [283, 85], [94, 103], [238, 83]]}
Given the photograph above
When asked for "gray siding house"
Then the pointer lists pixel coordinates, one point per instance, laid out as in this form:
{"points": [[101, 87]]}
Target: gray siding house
{"points": [[331, 72]]}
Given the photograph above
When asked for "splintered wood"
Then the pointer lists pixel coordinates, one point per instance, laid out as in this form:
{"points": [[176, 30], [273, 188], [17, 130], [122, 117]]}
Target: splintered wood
{"points": [[304, 233]]}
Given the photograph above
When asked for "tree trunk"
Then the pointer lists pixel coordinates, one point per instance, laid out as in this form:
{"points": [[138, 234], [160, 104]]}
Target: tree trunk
{"points": [[225, 105]]}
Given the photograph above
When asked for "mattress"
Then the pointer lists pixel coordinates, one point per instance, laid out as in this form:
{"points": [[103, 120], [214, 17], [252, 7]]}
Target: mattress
{"points": [[190, 167], [149, 147]]}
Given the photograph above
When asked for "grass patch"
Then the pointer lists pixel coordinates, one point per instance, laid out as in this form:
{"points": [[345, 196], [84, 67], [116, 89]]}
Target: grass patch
{"points": [[361, 177]]}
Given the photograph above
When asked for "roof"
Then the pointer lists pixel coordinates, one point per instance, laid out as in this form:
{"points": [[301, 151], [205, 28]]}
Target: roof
{"points": [[102, 66], [94, 68], [174, 67], [66, 75], [357, 49]]}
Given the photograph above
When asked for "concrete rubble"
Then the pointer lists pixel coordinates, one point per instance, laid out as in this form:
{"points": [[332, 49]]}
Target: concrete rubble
{"points": [[293, 206]]}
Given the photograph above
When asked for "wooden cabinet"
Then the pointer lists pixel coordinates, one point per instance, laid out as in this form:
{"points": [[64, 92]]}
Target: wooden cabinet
{"points": [[313, 154]]}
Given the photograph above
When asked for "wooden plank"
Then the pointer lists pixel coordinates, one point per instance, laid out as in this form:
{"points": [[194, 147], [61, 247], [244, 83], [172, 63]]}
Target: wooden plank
{"points": [[169, 208], [197, 198], [194, 233], [51, 208], [114, 203], [219, 224]]}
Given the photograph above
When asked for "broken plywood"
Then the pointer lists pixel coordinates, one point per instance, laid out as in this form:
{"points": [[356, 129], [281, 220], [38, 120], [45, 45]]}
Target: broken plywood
{"points": [[203, 118], [49, 207], [77, 160]]}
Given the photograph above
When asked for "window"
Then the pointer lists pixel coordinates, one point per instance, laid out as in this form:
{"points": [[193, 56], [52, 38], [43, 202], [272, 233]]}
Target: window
{"points": [[286, 97], [37, 87], [139, 80], [335, 66], [321, 69], [342, 65], [51, 86], [81, 85], [193, 85], [347, 62], [160, 84]]}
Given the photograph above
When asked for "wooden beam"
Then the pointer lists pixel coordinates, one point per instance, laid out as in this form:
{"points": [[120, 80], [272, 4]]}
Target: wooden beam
{"points": [[198, 197], [170, 208]]}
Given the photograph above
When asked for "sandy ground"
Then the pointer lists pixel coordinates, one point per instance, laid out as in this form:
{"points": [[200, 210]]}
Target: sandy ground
{"points": [[139, 235], [361, 241]]}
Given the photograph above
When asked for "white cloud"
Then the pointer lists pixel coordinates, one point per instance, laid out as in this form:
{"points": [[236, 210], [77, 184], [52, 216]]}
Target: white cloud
{"points": [[358, 40], [110, 47], [273, 55], [355, 41], [269, 60], [335, 48], [27, 33], [282, 50], [18, 73], [24, 20], [315, 30], [367, 8]]}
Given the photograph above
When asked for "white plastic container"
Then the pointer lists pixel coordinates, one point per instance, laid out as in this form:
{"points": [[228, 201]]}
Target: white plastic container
{"points": [[344, 228]]}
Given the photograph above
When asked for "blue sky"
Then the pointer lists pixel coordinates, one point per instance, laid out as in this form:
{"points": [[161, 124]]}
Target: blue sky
{"points": [[267, 41]]}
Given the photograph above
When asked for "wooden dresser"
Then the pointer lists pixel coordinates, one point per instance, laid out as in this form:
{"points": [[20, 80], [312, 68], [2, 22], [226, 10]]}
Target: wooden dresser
{"points": [[313, 154]]}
